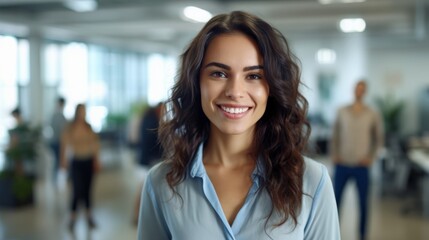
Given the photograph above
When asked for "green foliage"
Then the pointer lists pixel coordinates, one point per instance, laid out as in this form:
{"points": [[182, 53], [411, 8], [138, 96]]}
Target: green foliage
{"points": [[115, 121], [22, 149], [23, 146], [138, 108], [22, 187], [25, 151], [116, 118], [120, 120], [391, 110]]}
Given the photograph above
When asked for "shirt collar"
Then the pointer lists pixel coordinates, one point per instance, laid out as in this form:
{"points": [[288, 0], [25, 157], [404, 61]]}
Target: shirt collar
{"points": [[258, 175], [197, 168]]}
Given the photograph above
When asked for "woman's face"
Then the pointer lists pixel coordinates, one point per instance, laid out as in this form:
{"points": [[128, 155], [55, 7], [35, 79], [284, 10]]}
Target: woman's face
{"points": [[234, 91], [81, 113]]}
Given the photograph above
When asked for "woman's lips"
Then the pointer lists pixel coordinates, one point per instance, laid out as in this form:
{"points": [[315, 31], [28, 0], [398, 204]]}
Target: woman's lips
{"points": [[234, 112]]}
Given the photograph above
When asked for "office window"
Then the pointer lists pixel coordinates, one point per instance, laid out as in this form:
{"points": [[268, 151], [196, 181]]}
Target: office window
{"points": [[132, 79], [116, 83], [108, 80], [97, 76], [9, 65], [73, 75], [23, 61], [52, 65], [161, 73], [120, 78]]}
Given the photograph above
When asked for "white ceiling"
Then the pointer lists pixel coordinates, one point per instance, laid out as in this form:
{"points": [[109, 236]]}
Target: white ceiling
{"points": [[157, 24]]}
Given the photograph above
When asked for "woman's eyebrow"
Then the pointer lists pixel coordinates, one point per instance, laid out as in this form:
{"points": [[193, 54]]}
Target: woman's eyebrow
{"points": [[226, 67], [216, 64], [256, 67]]}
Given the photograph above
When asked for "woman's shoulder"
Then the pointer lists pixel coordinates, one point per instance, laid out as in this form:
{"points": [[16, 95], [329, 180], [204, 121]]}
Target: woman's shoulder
{"points": [[157, 174], [156, 181], [315, 173]]}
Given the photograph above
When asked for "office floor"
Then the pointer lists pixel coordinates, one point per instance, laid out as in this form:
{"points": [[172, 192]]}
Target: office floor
{"points": [[115, 190]]}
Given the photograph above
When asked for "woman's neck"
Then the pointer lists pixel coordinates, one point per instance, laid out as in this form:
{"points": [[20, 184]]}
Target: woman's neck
{"points": [[227, 150]]}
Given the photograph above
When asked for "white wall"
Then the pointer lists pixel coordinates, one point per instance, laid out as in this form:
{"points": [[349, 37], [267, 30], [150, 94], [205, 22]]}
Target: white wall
{"points": [[403, 72], [350, 66]]}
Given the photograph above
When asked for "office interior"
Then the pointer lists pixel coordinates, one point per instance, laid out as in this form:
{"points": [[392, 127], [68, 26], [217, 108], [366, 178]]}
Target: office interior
{"points": [[120, 56]]}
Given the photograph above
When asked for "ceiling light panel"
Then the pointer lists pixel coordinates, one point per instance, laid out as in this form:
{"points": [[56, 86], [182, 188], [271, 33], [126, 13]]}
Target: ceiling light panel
{"points": [[195, 14]]}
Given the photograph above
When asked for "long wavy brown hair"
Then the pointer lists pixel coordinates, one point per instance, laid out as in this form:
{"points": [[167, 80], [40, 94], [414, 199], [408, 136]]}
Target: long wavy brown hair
{"points": [[280, 135]]}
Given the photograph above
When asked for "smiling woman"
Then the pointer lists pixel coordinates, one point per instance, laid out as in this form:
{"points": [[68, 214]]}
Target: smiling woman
{"points": [[234, 92], [233, 144]]}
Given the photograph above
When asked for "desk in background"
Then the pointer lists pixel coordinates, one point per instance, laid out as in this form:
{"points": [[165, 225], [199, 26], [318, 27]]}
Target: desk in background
{"points": [[420, 157]]}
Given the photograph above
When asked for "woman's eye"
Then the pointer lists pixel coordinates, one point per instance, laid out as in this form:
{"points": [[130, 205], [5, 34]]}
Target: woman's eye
{"points": [[218, 74], [254, 77]]}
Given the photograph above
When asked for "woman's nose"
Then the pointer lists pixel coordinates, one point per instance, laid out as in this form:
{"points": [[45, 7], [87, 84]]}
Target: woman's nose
{"points": [[235, 87]]}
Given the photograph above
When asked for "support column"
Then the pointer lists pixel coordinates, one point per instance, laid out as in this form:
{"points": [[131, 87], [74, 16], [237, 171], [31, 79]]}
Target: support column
{"points": [[34, 102]]}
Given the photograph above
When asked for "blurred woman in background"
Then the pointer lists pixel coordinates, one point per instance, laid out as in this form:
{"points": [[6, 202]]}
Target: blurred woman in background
{"points": [[80, 149]]}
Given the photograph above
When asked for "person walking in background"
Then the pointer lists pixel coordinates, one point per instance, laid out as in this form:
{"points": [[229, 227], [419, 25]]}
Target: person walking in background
{"points": [[20, 138], [19, 120], [357, 136], [148, 147], [81, 145], [21, 132], [58, 123], [233, 140], [21, 127]]}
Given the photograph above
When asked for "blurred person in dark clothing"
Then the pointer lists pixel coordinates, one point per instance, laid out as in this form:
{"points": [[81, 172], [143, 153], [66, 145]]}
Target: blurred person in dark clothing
{"points": [[16, 114], [20, 138], [357, 136], [58, 123], [21, 130], [81, 144], [148, 147]]}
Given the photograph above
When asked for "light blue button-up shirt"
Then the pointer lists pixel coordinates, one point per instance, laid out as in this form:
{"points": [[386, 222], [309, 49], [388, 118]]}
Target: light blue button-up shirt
{"points": [[196, 212]]}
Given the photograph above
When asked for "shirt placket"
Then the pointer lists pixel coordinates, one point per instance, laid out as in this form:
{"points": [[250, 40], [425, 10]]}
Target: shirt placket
{"points": [[211, 196]]}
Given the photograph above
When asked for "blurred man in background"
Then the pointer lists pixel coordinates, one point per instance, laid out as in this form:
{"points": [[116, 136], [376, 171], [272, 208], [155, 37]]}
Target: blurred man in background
{"points": [[357, 136], [58, 122]]}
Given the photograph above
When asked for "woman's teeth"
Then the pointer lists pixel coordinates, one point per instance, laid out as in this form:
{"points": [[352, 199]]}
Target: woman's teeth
{"points": [[234, 110]]}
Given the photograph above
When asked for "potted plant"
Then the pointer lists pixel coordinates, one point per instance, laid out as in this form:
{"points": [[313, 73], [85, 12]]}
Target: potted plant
{"points": [[17, 178], [391, 110]]}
